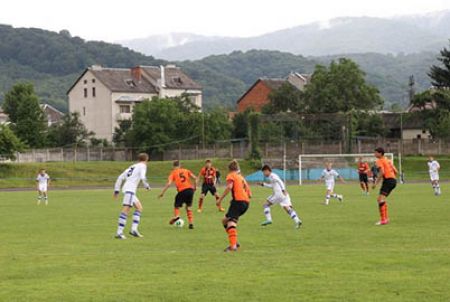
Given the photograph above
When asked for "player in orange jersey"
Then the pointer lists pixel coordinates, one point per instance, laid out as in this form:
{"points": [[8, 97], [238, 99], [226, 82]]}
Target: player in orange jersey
{"points": [[182, 179], [239, 204], [387, 173], [208, 174], [363, 171]]}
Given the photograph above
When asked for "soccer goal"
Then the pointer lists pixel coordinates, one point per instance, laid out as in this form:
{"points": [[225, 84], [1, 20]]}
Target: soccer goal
{"points": [[310, 166]]}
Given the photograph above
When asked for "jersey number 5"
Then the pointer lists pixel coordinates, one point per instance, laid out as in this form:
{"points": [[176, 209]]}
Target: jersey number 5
{"points": [[182, 177]]}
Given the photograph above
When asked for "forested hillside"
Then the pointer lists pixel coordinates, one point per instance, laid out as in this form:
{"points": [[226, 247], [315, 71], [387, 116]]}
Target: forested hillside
{"points": [[52, 61]]}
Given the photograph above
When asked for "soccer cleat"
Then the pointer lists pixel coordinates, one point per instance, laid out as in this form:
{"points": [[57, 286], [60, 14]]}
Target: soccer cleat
{"points": [[229, 249], [298, 224], [136, 234], [382, 222], [191, 226], [324, 203], [120, 236], [340, 198], [173, 220], [199, 210], [267, 222], [221, 209]]}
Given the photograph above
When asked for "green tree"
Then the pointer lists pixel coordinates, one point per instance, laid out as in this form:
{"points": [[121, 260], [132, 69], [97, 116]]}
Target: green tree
{"points": [[340, 88], [241, 124], [26, 116], [9, 143], [287, 98], [217, 126], [70, 132], [254, 122], [440, 75]]}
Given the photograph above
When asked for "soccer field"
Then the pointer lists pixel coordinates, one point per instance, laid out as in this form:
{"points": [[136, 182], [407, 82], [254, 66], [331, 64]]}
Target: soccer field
{"points": [[66, 251]]}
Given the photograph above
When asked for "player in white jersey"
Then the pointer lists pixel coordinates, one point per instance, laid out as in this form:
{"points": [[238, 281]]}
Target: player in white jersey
{"points": [[42, 181], [279, 196], [132, 177], [330, 175], [433, 169]]}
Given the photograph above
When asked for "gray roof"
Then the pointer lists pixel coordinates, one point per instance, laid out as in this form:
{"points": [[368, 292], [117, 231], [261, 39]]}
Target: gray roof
{"points": [[120, 80], [175, 78]]}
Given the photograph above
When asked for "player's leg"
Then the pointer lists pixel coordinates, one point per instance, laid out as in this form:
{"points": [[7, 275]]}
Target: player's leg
{"points": [[267, 213], [237, 209], [327, 196], [45, 196], [286, 204], [176, 208], [126, 206], [136, 219], [39, 198], [200, 201], [188, 199], [382, 208], [438, 187], [334, 195]]}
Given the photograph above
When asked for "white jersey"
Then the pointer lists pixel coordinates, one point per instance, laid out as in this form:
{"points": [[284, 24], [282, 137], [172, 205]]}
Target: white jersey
{"points": [[42, 179], [329, 175], [276, 184], [132, 177], [433, 166]]}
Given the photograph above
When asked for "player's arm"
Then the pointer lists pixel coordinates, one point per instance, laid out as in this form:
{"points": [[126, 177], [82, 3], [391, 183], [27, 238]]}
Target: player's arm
{"points": [[118, 183], [192, 175], [144, 179], [341, 178], [199, 177], [380, 176], [169, 182], [227, 190], [49, 180]]}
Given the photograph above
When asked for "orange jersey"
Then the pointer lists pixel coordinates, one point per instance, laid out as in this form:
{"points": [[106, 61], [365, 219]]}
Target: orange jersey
{"points": [[241, 189], [386, 167], [209, 175], [363, 168], [182, 179]]}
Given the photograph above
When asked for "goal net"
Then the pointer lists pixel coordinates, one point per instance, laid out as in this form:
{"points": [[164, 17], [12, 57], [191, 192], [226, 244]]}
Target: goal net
{"points": [[310, 166]]}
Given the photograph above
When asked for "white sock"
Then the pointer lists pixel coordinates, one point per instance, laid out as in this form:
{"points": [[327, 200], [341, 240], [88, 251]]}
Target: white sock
{"points": [[327, 199], [294, 215], [334, 195], [136, 220], [122, 223], [267, 213]]}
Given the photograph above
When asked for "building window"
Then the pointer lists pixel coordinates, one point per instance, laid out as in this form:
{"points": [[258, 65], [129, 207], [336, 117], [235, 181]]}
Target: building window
{"points": [[84, 111], [93, 92], [125, 109], [85, 81], [93, 80], [85, 93]]}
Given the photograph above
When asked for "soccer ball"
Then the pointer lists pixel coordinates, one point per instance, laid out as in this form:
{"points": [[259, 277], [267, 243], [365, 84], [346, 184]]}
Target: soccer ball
{"points": [[179, 223]]}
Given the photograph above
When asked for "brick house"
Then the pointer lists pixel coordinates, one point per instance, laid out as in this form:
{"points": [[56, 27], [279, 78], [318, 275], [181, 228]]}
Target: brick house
{"points": [[257, 96]]}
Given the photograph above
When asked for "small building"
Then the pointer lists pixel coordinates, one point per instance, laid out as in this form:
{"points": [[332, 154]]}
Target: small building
{"points": [[412, 126], [257, 96], [53, 115], [106, 96]]}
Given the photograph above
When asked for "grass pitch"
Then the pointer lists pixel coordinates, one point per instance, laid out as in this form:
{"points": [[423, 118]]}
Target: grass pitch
{"points": [[66, 251]]}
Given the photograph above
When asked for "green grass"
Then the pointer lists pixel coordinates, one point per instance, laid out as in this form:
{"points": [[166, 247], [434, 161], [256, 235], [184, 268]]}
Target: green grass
{"points": [[95, 174], [65, 251]]}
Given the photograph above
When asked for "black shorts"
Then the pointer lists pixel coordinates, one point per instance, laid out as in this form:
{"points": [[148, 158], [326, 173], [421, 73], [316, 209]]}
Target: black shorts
{"points": [[363, 178], [208, 188], [388, 185], [184, 197], [237, 209]]}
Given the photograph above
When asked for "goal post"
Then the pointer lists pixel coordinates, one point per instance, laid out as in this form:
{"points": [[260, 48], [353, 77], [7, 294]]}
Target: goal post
{"points": [[311, 165]]}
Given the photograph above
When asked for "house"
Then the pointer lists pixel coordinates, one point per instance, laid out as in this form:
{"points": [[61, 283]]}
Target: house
{"points": [[257, 96], [53, 115], [405, 125], [106, 96]]}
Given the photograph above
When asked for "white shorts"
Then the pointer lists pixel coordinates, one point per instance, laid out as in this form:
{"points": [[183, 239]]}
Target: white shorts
{"points": [[434, 176], [330, 186], [129, 199], [282, 200], [42, 188]]}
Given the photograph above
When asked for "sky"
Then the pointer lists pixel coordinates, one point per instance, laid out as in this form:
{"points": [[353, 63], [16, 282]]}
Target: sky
{"points": [[115, 20]]}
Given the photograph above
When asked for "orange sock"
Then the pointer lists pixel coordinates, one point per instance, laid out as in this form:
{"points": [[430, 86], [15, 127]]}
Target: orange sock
{"points": [[200, 203], [190, 216], [380, 208], [176, 212], [232, 236], [385, 211]]}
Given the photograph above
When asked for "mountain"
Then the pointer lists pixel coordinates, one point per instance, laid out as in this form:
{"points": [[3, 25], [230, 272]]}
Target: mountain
{"points": [[405, 34], [52, 61]]}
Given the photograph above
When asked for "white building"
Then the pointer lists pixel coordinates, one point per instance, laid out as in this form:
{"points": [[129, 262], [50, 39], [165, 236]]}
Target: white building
{"points": [[105, 96]]}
